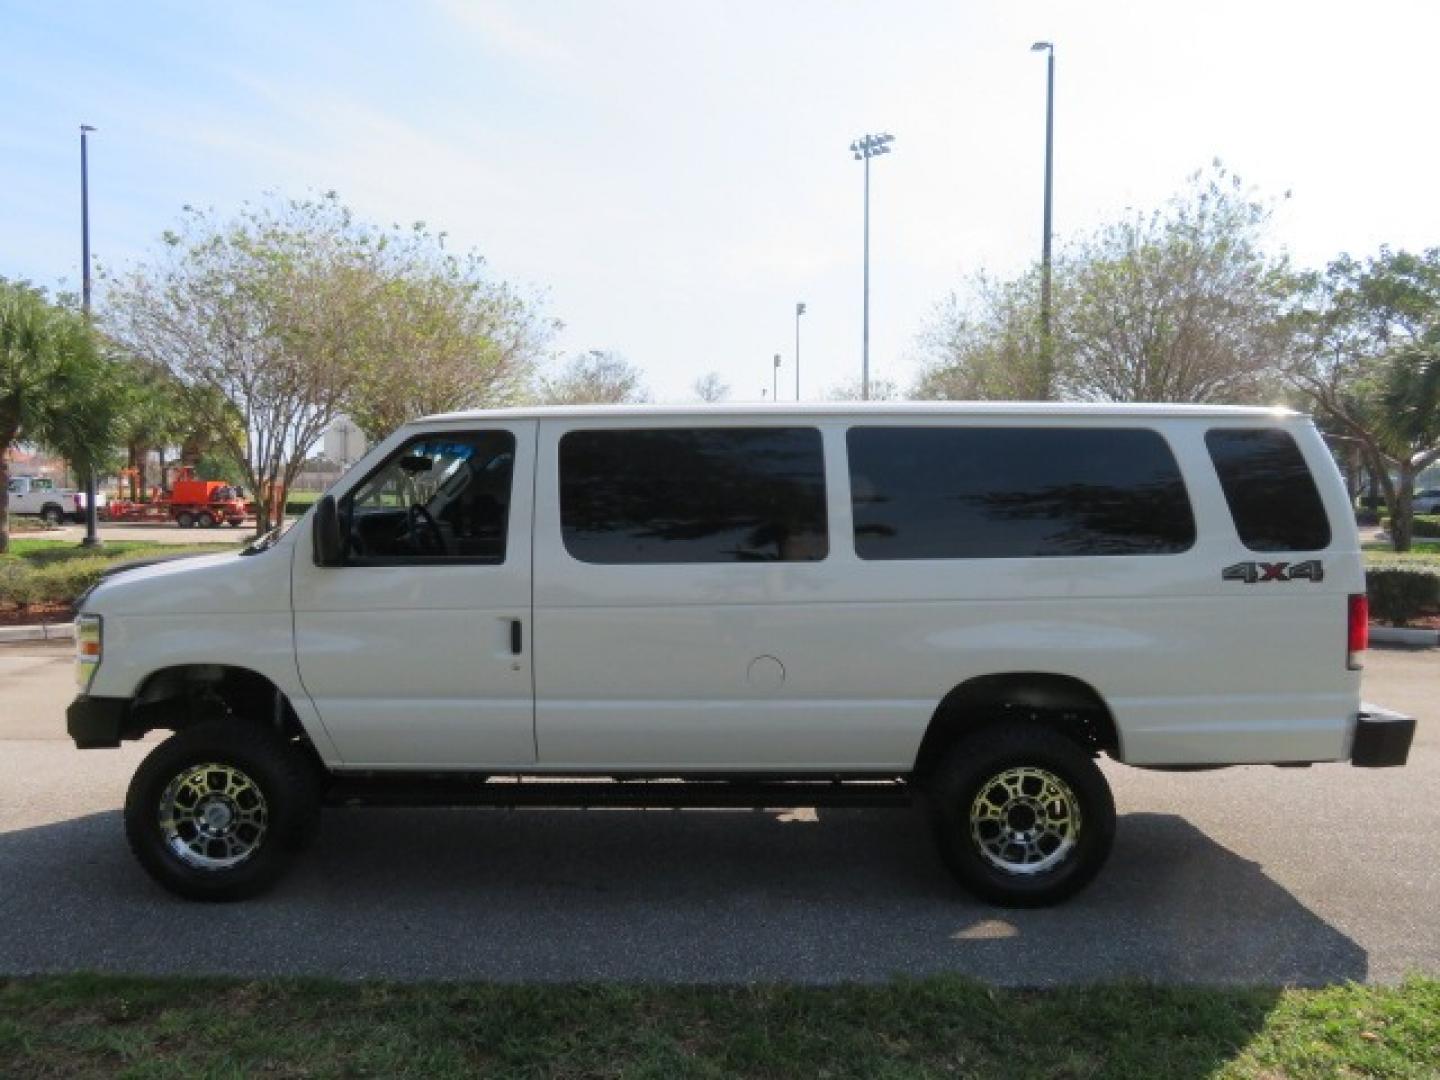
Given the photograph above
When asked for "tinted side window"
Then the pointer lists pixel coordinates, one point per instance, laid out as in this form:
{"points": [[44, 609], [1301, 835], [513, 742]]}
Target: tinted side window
{"points": [[990, 493], [1269, 489], [700, 495]]}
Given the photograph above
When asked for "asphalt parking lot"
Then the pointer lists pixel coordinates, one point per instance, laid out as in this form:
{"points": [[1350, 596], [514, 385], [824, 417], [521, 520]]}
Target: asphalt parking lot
{"points": [[1250, 875]]}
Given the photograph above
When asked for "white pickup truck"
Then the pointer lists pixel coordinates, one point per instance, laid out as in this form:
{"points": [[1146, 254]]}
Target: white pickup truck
{"points": [[40, 496]]}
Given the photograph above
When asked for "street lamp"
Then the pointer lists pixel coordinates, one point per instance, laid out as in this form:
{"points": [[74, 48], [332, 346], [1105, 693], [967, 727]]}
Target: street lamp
{"points": [[775, 380], [1046, 347], [92, 535], [864, 148], [799, 310]]}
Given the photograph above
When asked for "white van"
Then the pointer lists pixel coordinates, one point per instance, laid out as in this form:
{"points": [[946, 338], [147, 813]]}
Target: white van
{"points": [[963, 605]]}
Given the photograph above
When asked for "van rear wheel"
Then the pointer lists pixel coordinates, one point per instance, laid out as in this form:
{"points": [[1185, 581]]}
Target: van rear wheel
{"points": [[217, 811], [1022, 814]]}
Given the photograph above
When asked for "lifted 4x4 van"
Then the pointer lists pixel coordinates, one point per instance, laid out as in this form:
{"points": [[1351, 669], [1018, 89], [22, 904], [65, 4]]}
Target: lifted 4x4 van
{"points": [[964, 605]]}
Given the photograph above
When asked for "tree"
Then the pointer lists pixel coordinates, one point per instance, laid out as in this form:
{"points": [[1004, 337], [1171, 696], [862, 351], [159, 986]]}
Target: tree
{"points": [[595, 377], [449, 338], [271, 321], [986, 347], [880, 390], [1368, 338], [154, 417], [1182, 304], [54, 384], [711, 388]]}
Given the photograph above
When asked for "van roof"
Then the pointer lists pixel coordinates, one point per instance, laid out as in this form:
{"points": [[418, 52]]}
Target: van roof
{"points": [[873, 409]]}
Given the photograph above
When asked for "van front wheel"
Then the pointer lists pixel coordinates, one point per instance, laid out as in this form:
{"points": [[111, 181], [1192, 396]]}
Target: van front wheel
{"points": [[1023, 816], [216, 811]]}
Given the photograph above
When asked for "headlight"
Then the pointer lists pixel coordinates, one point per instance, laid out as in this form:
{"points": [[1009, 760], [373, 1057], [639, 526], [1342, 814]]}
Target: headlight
{"points": [[89, 643]]}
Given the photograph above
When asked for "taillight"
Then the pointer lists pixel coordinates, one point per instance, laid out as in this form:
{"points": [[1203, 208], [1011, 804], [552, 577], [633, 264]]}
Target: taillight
{"points": [[1359, 631]]}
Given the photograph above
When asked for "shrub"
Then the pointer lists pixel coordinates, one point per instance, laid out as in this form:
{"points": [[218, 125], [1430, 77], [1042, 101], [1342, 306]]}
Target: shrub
{"points": [[1400, 593], [41, 572], [1426, 527], [62, 582], [16, 587]]}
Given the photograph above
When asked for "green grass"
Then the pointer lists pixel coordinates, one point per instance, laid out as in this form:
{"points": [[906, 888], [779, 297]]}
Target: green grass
{"points": [[1423, 553], [297, 502], [99, 1026], [57, 571]]}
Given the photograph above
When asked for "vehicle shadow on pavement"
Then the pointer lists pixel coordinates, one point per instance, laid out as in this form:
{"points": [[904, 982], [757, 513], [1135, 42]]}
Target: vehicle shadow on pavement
{"points": [[670, 896]]}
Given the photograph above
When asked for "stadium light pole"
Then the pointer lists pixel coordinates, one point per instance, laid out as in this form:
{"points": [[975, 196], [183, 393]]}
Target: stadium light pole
{"points": [[92, 534], [799, 310], [865, 148], [1046, 341]]}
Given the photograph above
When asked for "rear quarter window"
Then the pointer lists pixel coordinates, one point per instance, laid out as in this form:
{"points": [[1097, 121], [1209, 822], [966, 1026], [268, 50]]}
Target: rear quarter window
{"points": [[1015, 492], [1268, 486]]}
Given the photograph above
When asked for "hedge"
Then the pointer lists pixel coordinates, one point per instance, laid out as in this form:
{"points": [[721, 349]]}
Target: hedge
{"points": [[1399, 593], [22, 584], [1427, 526]]}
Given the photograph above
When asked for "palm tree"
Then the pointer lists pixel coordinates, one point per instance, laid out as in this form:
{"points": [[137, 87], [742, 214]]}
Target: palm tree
{"points": [[53, 385], [1408, 396]]}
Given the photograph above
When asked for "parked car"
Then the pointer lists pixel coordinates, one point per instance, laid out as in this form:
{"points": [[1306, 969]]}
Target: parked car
{"points": [[1427, 501], [964, 606], [42, 497]]}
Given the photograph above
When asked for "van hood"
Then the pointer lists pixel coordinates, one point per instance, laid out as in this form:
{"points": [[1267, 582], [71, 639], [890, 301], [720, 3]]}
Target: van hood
{"points": [[198, 584]]}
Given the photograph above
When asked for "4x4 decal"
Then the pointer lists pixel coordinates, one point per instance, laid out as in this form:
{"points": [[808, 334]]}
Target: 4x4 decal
{"points": [[1251, 572]]}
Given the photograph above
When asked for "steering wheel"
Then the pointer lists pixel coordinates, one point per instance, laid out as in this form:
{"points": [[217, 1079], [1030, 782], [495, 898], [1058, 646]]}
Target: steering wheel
{"points": [[419, 516]]}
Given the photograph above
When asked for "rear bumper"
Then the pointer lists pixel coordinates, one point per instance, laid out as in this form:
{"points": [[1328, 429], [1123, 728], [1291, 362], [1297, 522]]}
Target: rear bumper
{"points": [[95, 723], [1382, 738]]}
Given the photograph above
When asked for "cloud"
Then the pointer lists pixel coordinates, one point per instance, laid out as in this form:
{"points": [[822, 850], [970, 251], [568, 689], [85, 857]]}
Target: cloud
{"points": [[503, 31]]}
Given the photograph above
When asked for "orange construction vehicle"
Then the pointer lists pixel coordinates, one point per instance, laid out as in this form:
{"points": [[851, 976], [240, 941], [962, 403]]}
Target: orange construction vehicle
{"points": [[191, 502], [206, 503]]}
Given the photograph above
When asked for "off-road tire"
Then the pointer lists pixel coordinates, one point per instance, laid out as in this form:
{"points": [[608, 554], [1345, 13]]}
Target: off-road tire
{"points": [[1022, 750], [285, 776]]}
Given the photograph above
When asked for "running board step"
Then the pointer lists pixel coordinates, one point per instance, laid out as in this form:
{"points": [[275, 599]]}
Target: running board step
{"points": [[463, 791]]}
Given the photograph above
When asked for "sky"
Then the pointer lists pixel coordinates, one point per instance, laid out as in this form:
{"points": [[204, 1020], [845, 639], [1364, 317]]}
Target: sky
{"points": [[669, 177]]}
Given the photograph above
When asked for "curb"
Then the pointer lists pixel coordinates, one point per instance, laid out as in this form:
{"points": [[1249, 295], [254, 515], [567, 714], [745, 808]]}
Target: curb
{"points": [[42, 632], [1401, 635]]}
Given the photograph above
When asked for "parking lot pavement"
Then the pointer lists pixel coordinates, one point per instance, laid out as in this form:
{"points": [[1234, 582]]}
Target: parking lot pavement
{"points": [[1249, 875]]}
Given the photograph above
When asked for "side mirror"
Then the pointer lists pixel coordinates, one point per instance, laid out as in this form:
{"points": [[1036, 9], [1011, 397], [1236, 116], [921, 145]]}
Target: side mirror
{"points": [[329, 547]]}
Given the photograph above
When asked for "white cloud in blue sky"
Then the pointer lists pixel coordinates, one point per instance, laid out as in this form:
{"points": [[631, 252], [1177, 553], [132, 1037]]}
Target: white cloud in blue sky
{"points": [[674, 174]]}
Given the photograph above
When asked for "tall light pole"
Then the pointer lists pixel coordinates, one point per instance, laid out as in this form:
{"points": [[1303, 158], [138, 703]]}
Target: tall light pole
{"points": [[1047, 356], [92, 535], [775, 381], [865, 148], [799, 310]]}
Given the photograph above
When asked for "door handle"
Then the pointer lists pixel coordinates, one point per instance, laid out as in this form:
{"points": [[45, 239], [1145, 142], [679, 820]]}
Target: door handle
{"points": [[517, 642]]}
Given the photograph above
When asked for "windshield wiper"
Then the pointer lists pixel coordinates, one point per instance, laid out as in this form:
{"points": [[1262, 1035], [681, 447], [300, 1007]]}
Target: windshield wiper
{"points": [[264, 542]]}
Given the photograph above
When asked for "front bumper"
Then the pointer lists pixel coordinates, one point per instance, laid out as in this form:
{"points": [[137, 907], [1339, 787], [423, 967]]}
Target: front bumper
{"points": [[96, 723], [1382, 738]]}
